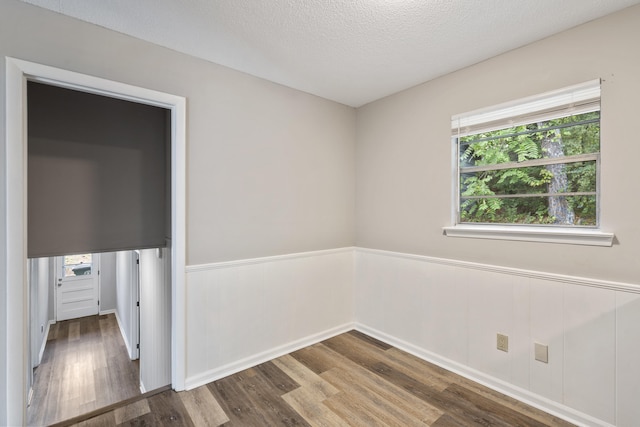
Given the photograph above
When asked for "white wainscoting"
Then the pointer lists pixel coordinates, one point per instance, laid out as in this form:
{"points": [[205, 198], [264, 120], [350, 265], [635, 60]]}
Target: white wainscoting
{"points": [[242, 313], [449, 312]]}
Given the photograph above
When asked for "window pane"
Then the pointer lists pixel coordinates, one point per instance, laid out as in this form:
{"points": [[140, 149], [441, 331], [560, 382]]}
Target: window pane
{"points": [[537, 146], [566, 178], [77, 265], [567, 136], [530, 210], [581, 176]]}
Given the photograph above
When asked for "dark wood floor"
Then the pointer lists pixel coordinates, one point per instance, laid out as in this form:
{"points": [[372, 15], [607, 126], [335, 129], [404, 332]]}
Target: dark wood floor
{"points": [[85, 366], [348, 380]]}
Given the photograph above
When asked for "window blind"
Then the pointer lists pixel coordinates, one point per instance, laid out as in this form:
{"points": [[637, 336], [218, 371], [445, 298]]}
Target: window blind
{"points": [[571, 100]]}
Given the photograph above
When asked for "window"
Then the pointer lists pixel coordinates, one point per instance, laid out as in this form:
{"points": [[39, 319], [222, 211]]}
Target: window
{"points": [[532, 163], [77, 265]]}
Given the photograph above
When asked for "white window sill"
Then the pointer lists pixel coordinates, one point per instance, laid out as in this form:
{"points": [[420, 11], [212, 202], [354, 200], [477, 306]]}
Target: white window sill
{"points": [[581, 236]]}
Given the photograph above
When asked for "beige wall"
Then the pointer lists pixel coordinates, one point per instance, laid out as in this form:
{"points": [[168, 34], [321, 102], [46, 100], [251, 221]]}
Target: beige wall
{"points": [[269, 169], [404, 156]]}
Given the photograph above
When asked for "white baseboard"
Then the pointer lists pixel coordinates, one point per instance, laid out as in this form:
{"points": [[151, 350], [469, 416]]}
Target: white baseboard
{"points": [[525, 396], [240, 365], [124, 335], [44, 341], [105, 312], [30, 396]]}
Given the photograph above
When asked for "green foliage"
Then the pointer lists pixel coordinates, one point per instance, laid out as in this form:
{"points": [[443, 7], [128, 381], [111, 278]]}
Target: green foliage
{"points": [[519, 144]]}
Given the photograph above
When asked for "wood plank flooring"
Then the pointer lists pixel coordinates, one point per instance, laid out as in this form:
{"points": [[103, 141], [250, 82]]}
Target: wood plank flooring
{"points": [[84, 367], [348, 380]]}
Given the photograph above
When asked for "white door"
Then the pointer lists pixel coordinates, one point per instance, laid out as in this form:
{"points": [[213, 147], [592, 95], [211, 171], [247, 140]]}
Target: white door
{"points": [[77, 290]]}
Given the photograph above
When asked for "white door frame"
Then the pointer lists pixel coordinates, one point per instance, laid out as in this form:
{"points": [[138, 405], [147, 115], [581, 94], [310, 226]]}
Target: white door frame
{"points": [[17, 74]]}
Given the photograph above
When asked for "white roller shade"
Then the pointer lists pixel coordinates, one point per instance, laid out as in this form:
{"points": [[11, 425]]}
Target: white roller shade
{"points": [[571, 100]]}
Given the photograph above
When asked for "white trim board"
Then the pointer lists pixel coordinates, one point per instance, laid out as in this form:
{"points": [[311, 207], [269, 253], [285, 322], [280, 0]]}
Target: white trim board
{"points": [[17, 73], [262, 260], [572, 280]]}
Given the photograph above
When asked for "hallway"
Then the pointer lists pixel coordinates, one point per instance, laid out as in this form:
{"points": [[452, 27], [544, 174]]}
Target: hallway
{"points": [[85, 366]]}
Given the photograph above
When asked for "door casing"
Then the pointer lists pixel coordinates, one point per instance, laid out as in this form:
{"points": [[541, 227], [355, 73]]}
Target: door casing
{"points": [[18, 72]]}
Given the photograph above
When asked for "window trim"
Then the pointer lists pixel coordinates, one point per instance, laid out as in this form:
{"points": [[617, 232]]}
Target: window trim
{"points": [[578, 98], [574, 236]]}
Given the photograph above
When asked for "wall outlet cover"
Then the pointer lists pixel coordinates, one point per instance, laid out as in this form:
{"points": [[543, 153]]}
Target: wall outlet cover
{"points": [[502, 343], [541, 352]]}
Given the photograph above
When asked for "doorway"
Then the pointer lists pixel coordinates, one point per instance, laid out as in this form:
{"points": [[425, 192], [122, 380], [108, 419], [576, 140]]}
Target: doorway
{"points": [[17, 73], [98, 175], [77, 286]]}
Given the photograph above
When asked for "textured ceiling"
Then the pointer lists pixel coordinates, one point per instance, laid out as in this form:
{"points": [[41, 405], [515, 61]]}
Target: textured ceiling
{"points": [[350, 51]]}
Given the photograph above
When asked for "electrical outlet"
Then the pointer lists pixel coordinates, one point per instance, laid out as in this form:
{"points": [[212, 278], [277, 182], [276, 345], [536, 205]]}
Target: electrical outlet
{"points": [[503, 343], [541, 352]]}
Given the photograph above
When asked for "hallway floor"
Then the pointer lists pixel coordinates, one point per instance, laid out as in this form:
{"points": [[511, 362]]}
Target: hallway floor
{"points": [[85, 366]]}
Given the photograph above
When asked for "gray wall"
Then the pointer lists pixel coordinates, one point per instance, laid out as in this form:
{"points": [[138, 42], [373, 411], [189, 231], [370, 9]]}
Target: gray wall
{"points": [[45, 314], [40, 282], [126, 288], [40, 279], [404, 155], [108, 281]]}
